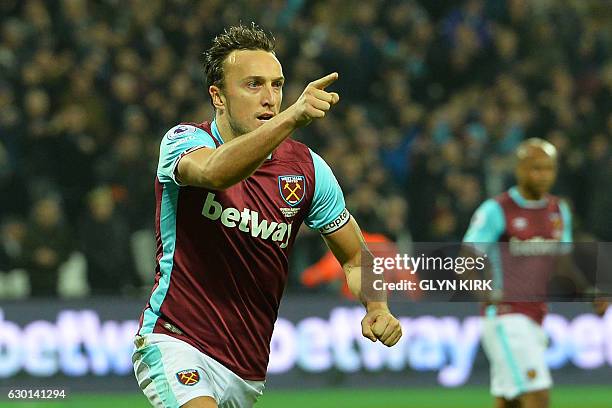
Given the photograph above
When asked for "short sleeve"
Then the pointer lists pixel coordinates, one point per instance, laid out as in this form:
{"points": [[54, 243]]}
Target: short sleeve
{"points": [[566, 216], [176, 143], [487, 224], [328, 210]]}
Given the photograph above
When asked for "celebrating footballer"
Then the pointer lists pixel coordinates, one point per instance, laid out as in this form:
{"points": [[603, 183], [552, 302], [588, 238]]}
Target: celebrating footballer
{"points": [[230, 197]]}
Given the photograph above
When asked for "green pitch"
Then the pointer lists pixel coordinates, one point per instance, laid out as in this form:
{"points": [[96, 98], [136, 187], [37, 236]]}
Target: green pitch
{"points": [[563, 397]]}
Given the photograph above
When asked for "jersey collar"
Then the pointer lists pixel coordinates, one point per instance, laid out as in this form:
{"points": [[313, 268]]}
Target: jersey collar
{"points": [[215, 132], [523, 202]]}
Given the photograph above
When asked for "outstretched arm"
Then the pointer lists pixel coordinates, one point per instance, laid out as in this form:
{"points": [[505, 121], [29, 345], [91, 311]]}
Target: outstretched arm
{"points": [[378, 324], [237, 159]]}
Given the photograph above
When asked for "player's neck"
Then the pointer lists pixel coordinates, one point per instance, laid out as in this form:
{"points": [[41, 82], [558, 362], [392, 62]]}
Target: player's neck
{"points": [[529, 195], [225, 129]]}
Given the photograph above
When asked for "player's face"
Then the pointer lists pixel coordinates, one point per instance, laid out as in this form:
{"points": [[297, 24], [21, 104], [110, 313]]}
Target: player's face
{"points": [[253, 89], [537, 172]]}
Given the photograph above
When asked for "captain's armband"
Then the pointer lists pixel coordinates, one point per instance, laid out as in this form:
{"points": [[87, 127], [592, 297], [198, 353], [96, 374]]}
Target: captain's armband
{"points": [[339, 222]]}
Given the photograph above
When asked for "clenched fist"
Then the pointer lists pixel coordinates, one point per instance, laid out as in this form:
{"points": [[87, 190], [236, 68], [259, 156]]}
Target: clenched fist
{"points": [[315, 101], [379, 324]]}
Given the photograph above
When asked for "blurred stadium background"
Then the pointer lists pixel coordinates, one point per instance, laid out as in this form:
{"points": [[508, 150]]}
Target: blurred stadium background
{"points": [[436, 95]]}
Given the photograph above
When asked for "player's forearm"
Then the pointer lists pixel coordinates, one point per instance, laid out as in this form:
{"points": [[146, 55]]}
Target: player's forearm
{"points": [[239, 158], [374, 300], [353, 280]]}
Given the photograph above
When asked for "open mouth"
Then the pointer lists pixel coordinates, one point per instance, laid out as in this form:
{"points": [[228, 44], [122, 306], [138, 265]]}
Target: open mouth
{"points": [[265, 116]]}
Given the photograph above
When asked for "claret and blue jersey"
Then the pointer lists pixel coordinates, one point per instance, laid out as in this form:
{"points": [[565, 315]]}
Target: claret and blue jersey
{"points": [[222, 256], [490, 219], [511, 218]]}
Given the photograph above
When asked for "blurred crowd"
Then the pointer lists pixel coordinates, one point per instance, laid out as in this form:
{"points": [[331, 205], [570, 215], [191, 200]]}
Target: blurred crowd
{"points": [[436, 95]]}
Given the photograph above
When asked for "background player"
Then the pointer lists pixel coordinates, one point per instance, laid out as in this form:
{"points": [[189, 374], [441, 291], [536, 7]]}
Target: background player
{"points": [[231, 196], [513, 338]]}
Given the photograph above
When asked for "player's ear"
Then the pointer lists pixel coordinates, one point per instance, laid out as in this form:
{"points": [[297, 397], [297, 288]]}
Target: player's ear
{"points": [[216, 95]]}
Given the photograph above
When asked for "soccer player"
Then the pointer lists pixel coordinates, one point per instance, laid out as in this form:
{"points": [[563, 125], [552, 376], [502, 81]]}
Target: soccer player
{"points": [[513, 338], [231, 196]]}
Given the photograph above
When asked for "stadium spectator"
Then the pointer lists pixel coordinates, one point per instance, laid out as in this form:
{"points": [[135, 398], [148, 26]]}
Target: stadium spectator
{"points": [[104, 239], [433, 92], [11, 244], [47, 245]]}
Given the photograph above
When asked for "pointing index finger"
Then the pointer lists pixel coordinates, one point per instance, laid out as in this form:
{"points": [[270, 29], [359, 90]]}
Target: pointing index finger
{"points": [[326, 81]]}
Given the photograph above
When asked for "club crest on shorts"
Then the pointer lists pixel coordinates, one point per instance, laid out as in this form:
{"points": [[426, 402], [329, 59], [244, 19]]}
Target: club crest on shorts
{"points": [[188, 377], [292, 189], [532, 374]]}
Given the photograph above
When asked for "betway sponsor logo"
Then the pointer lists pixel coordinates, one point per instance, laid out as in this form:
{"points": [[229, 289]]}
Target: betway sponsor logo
{"points": [[80, 342], [247, 221], [538, 246]]}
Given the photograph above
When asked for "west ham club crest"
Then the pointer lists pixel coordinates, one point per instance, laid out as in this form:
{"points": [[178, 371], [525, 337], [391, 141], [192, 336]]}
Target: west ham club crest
{"points": [[188, 377], [292, 189]]}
